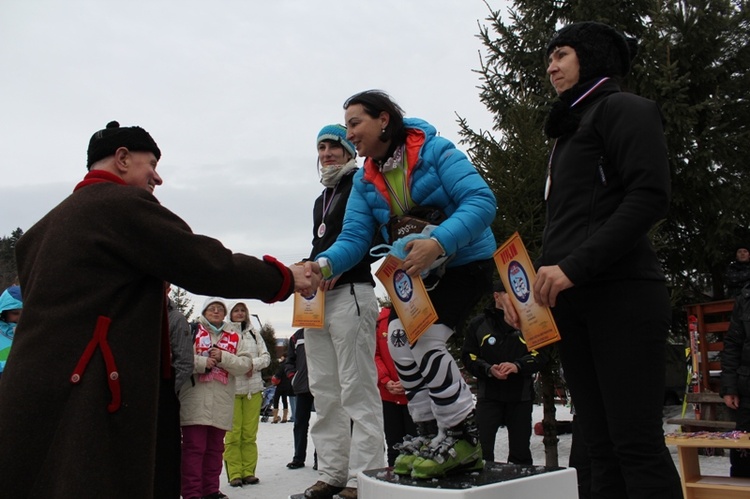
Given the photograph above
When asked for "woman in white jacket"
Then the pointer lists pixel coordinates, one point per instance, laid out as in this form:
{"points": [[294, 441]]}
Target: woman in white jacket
{"points": [[207, 402], [240, 449]]}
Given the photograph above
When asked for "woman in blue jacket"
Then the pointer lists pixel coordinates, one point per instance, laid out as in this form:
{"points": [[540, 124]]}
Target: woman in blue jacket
{"points": [[408, 165], [10, 312]]}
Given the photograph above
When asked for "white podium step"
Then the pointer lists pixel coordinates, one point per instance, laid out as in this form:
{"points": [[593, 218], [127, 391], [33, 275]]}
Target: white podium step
{"points": [[509, 481]]}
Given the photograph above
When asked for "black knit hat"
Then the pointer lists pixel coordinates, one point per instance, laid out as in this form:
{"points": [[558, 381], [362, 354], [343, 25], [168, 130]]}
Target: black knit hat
{"points": [[601, 50], [105, 142]]}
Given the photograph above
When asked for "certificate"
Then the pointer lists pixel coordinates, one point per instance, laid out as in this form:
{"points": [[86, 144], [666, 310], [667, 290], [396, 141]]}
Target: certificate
{"points": [[309, 312], [518, 276], [408, 296]]}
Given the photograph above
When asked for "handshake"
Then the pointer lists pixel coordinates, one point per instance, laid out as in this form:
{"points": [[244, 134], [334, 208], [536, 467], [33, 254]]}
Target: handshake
{"points": [[307, 277]]}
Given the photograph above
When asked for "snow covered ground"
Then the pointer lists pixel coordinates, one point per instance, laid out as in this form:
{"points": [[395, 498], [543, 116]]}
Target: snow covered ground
{"points": [[275, 448]]}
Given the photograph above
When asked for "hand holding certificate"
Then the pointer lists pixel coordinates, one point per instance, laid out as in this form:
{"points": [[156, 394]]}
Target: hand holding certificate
{"points": [[409, 297], [518, 276]]}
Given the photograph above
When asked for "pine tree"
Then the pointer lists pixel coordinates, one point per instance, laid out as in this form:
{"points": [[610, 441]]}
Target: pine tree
{"points": [[182, 302], [512, 157], [269, 336], [695, 62], [384, 301], [701, 88], [8, 267]]}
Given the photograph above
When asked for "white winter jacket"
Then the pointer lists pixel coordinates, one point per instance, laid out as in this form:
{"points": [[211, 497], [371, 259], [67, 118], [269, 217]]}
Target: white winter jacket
{"points": [[212, 403], [261, 359]]}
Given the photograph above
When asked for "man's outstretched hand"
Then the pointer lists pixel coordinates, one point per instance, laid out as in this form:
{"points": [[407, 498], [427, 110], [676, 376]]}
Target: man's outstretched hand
{"points": [[307, 277]]}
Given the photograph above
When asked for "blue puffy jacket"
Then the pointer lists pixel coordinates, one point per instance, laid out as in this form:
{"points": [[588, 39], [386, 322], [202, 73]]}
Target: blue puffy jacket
{"points": [[438, 175], [10, 299]]}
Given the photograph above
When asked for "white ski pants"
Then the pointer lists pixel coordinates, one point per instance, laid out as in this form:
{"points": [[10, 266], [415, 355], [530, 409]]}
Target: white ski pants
{"points": [[348, 431]]}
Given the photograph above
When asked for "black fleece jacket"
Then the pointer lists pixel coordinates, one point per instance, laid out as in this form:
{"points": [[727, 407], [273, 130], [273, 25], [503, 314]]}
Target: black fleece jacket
{"points": [[336, 199], [609, 185]]}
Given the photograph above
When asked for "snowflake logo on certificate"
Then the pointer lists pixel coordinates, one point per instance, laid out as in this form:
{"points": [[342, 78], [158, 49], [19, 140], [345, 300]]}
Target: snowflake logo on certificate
{"points": [[402, 285], [519, 281]]}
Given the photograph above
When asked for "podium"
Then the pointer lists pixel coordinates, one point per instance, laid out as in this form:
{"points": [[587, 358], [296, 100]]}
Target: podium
{"points": [[509, 481]]}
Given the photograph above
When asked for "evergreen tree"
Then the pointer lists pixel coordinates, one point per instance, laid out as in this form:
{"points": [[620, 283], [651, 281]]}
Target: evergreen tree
{"points": [[8, 267], [701, 88], [695, 62], [384, 301], [182, 302], [512, 157], [269, 336]]}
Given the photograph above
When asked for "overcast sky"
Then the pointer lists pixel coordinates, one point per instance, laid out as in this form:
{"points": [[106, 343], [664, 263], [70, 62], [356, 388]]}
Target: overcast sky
{"points": [[234, 93]]}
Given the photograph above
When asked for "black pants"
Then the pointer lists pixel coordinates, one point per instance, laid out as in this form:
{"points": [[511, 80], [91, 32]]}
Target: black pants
{"points": [[516, 416], [614, 359], [280, 395], [580, 460], [397, 423], [740, 458], [459, 290], [301, 425], [167, 474]]}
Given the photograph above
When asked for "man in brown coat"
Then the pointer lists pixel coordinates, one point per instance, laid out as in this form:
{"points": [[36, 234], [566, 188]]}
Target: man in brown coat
{"points": [[84, 384]]}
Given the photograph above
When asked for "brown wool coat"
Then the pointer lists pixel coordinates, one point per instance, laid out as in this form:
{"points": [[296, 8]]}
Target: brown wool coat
{"points": [[104, 251]]}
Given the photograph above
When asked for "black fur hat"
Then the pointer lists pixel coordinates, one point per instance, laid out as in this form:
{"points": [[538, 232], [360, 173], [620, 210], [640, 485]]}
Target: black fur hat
{"points": [[105, 142], [601, 50]]}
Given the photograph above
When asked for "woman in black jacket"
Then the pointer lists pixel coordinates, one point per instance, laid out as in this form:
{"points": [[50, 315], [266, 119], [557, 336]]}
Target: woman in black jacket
{"points": [[607, 185]]}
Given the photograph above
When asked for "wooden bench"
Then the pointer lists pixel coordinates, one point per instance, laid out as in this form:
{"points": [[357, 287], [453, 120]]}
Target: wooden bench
{"points": [[697, 486], [713, 416], [689, 424]]}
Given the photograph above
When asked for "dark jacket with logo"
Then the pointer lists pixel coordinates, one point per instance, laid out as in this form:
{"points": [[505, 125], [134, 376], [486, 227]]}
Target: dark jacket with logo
{"points": [[490, 340]]}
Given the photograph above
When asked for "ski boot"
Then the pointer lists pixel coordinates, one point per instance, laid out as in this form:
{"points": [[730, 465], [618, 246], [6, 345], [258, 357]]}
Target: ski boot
{"points": [[409, 449], [459, 451]]}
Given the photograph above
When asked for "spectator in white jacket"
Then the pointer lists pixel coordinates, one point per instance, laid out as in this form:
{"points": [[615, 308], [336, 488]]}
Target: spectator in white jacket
{"points": [[240, 448], [207, 403]]}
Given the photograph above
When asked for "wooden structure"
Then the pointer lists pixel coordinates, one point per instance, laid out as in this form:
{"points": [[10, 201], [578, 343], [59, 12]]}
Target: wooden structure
{"points": [[712, 412], [712, 323], [697, 486]]}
